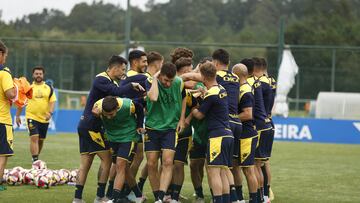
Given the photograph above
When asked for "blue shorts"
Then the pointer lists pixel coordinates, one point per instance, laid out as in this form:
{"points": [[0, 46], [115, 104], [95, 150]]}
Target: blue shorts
{"points": [[220, 149], [266, 139], [197, 151], [91, 142], [247, 151], [6, 140], [123, 150], [37, 128], [155, 140], [236, 128], [182, 149]]}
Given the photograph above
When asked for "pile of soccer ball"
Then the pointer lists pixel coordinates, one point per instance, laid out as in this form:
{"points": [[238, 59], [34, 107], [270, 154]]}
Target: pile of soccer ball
{"points": [[39, 175]]}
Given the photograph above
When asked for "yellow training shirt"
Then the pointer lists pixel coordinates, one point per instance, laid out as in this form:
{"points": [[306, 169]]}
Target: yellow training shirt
{"points": [[6, 83], [38, 106]]}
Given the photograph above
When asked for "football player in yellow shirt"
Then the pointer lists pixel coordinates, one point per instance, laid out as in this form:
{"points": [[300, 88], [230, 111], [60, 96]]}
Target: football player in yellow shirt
{"points": [[38, 111], [7, 91]]}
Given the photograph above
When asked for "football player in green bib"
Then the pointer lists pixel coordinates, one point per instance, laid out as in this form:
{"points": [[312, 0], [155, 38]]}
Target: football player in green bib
{"points": [[122, 120], [165, 117]]}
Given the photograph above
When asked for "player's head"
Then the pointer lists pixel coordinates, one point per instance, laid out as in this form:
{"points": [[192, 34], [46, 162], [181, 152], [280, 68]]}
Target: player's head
{"points": [[110, 106], [181, 52], [208, 72], [155, 59], [220, 58], [249, 63], [167, 74], [241, 71], [3, 52], [183, 65], [263, 64], [138, 60], [117, 67], [38, 73], [205, 59], [257, 66]]}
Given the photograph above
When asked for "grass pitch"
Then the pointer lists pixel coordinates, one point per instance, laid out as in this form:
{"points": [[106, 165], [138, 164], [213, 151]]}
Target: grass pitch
{"points": [[302, 172]]}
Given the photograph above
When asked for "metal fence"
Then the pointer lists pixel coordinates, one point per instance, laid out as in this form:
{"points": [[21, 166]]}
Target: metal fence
{"points": [[72, 64]]}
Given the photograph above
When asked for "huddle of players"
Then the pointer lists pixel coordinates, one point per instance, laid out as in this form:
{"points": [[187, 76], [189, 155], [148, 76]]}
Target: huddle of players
{"points": [[230, 113]]}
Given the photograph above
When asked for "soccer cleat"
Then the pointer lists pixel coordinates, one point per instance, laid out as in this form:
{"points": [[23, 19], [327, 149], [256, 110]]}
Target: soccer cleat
{"points": [[174, 201], [76, 200], [167, 198], [183, 197], [266, 199], [132, 197], [159, 201], [140, 199], [242, 201], [101, 200]]}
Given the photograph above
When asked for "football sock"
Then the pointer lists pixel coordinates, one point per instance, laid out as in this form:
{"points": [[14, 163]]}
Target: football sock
{"points": [[199, 192], [35, 157], [176, 192], [79, 191], [141, 183], [101, 190], [110, 189], [136, 191], [233, 195], [239, 192]]}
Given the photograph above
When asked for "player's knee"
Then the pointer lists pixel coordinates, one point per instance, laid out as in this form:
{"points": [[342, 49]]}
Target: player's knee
{"points": [[168, 162], [152, 164], [120, 165], [34, 139]]}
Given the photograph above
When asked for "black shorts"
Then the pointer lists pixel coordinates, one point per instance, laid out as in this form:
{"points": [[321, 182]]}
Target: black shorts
{"points": [[155, 140], [182, 149], [37, 128], [266, 139], [220, 151], [123, 150], [91, 142], [197, 151], [236, 128], [247, 151], [6, 140]]}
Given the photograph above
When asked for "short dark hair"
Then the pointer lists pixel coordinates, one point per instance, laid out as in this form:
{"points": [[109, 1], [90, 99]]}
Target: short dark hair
{"points": [[257, 62], [181, 52], [154, 56], [168, 69], [116, 60], [3, 47], [110, 104], [249, 63], [38, 68], [221, 55], [182, 62], [263, 63], [136, 54], [208, 70]]}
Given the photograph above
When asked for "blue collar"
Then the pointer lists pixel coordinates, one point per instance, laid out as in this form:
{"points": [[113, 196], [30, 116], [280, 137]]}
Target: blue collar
{"points": [[2, 66]]}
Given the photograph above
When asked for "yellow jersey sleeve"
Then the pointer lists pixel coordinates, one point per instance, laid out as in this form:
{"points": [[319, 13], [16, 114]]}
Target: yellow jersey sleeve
{"points": [[132, 108], [98, 105], [7, 81]]}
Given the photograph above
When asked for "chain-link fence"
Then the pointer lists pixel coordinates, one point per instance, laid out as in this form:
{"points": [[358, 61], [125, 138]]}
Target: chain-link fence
{"points": [[73, 64]]}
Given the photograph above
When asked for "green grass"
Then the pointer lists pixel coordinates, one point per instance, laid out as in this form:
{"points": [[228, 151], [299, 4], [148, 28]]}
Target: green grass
{"points": [[302, 172]]}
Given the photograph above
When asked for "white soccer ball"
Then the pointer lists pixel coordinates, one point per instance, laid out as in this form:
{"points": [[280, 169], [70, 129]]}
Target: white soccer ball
{"points": [[29, 178], [43, 181], [39, 165], [14, 177], [55, 178], [64, 176], [73, 175]]}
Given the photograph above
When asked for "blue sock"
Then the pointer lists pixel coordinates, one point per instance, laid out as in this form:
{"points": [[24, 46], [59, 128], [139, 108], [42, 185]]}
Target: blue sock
{"points": [[101, 190], [226, 198], [176, 192], [253, 198], [233, 195], [79, 191], [217, 199], [110, 189]]}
